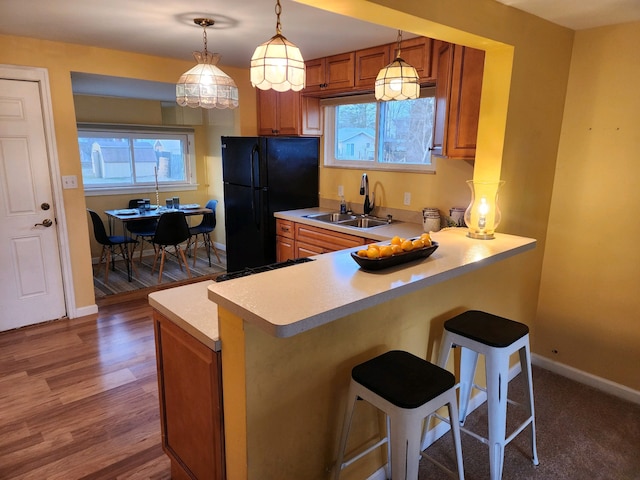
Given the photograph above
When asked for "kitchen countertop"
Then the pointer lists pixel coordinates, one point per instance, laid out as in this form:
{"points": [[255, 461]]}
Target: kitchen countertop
{"points": [[288, 301], [188, 307], [383, 232]]}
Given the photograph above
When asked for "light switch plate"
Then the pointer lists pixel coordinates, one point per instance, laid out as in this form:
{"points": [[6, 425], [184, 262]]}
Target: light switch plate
{"points": [[340, 191], [69, 181], [407, 198]]}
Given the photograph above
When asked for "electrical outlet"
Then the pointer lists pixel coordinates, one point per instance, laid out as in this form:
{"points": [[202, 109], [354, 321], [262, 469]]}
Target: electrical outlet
{"points": [[340, 191], [69, 181], [407, 198]]}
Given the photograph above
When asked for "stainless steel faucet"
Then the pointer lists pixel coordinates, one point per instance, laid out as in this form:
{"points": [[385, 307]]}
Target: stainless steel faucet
{"points": [[364, 190]]}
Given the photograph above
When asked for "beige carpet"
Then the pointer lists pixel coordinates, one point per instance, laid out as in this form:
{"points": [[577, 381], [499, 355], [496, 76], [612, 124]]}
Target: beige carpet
{"points": [[118, 282], [582, 433]]}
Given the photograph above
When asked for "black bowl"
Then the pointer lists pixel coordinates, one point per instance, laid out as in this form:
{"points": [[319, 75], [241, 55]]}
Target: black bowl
{"points": [[397, 259]]}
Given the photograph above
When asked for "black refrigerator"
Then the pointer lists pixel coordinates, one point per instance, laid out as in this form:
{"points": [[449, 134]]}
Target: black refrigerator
{"points": [[263, 175]]}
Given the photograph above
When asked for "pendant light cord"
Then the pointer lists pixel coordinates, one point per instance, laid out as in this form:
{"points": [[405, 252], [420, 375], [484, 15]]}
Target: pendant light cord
{"points": [[399, 40], [204, 38]]}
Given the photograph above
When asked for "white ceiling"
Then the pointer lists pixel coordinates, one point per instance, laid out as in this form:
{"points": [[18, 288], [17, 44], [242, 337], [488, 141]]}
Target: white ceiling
{"points": [[165, 28]]}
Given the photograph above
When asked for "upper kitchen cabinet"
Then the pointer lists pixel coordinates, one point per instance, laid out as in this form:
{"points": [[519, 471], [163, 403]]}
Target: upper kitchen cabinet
{"points": [[417, 52], [278, 112], [288, 113], [368, 63], [458, 90], [330, 73]]}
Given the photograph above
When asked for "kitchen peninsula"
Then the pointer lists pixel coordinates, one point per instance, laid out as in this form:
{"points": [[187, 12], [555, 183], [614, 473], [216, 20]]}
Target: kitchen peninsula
{"points": [[290, 337]]}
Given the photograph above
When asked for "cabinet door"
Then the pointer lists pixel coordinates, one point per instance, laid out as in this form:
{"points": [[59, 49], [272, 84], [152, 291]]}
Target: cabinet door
{"points": [[443, 53], [369, 62], [312, 116], [315, 70], [284, 249], [464, 109], [417, 52], [267, 106], [190, 388], [339, 73], [303, 250], [278, 112]]}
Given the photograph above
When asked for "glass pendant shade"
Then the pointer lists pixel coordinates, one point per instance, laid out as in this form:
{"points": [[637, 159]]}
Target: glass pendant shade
{"points": [[206, 86], [397, 81], [278, 65], [482, 216]]}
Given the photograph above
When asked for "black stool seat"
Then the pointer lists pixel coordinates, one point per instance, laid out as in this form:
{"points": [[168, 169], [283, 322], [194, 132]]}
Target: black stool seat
{"points": [[486, 328], [403, 379]]}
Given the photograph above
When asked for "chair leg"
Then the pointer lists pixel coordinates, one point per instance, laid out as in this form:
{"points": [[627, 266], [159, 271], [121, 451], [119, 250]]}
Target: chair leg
{"points": [[195, 249], [346, 426], [184, 259], [468, 364], [161, 263], [156, 249], [211, 246], [525, 363]]}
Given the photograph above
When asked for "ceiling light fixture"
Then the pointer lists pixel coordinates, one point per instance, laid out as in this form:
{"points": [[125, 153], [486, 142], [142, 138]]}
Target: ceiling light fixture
{"points": [[398, 80], [277, 64], [205, 85]]}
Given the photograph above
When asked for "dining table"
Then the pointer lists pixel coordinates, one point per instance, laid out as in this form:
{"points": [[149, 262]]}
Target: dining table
{"points": [[126, 215]]}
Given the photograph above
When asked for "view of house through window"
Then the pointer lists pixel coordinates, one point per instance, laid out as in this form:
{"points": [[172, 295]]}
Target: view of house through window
{"points": [[397, 135], [127, 158]]}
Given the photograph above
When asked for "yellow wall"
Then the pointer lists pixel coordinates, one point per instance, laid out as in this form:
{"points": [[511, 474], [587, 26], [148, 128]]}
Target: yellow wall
{"points": [[589, 302], [60, 60]]}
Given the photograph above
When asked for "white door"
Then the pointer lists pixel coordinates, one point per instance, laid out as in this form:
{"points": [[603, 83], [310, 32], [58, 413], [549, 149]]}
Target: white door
{"points": [[31, 286]]}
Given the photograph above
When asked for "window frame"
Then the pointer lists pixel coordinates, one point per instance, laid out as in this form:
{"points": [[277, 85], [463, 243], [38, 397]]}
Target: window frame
{"points": [[330, 137], [158, 131]]}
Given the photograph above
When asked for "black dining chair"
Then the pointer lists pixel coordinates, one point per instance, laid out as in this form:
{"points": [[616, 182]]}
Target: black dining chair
{"points": [[172, 230], [205, 228], [109, 244], [141, 229]]}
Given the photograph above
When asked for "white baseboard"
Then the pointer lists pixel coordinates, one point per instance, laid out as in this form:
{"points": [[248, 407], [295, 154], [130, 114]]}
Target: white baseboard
{"points": [[84, 311], [599, 383]]}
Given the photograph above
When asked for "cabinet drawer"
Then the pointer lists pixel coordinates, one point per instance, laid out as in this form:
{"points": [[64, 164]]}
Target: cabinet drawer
{"points": [[284, 228], [327, 239]]}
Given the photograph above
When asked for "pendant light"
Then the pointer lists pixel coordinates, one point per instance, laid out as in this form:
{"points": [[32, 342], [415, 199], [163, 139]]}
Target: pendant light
{"points": [[398, 80], [205, 85], [277, 64]]}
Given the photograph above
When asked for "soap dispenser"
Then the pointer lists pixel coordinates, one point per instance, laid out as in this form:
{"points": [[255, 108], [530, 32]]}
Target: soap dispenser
{"points": [[343, 205]]}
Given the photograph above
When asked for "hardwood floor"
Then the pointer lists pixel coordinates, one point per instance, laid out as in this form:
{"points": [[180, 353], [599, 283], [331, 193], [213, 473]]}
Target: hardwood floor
{"points": [[79, 398]]}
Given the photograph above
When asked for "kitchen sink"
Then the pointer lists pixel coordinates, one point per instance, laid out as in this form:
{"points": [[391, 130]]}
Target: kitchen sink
{"points": [[332, 217], [349, 220], [365, 222]]}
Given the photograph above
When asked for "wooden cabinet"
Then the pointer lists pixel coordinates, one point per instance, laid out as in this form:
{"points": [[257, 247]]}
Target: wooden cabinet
{"points": [[368, 63], [297, 240], [288, 113], [311, 240], [190, 389], [458, 91], [417, 52], [330, 73], [285, 240], [278, 112]]}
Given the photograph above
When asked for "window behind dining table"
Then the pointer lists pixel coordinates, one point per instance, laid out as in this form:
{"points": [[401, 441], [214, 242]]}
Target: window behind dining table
{"points": [[116, 159]]}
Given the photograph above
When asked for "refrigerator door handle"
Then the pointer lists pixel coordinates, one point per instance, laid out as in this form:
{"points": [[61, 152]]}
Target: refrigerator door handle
{"points": [[254, 151]]}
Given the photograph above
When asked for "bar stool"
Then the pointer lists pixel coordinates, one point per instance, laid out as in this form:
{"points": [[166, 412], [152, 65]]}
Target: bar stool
{"points": [[496, 338], [407, 389]]}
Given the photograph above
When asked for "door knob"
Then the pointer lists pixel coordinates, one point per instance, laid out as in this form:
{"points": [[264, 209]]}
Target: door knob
{"points": [[45, 206], [45, 223]]}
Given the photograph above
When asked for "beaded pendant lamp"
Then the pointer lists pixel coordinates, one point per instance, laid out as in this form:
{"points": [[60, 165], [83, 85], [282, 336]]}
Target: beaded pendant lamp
{"points": [[205, 85], [278, 64], [398, 80]]}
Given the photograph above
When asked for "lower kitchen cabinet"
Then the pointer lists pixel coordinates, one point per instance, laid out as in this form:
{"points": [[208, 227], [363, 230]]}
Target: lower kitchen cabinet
{"points": [[190, 390], [297, 240]]}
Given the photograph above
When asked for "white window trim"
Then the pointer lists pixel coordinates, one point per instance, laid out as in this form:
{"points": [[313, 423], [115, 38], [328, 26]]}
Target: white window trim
{"points": [[189, 185], [329, 139]]}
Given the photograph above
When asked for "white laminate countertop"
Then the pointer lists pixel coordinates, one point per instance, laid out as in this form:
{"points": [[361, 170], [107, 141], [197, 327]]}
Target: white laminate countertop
{"points": [[291, 300], [383, 232], [189, 307]]}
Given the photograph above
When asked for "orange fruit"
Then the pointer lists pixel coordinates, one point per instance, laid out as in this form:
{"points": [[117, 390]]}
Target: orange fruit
{"points": [[362, 253], [373, 253], [396, 249], [418, 243], [396, 240], [407, 245], [386, 251]]}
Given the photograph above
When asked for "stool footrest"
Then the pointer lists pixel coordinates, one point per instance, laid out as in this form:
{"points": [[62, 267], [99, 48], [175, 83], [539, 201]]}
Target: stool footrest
{"points": [[368, 450]]}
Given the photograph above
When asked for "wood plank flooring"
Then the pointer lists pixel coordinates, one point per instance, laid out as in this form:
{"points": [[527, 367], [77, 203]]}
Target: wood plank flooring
{"points": [[79, 398]]}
